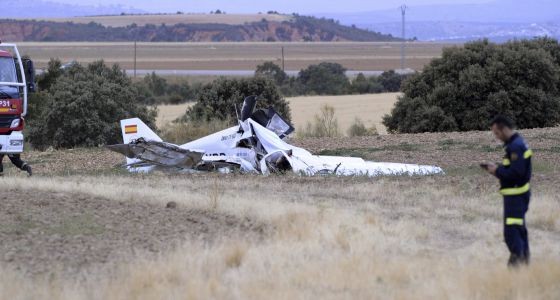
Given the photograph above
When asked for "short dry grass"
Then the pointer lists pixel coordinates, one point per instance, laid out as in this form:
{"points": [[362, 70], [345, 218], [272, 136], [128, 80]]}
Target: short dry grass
{"points": [[330, 238]]}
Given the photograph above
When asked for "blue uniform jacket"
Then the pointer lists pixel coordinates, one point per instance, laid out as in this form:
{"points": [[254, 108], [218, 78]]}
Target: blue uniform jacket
{"points": [[515, 171]]}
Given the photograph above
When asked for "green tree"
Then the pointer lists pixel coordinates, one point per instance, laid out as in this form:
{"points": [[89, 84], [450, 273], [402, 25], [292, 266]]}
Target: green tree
{"points": [[363, 85], [391, 81], [83, 108], [156, 84], [45, 80], [218, 100], [272, 71], [468, 85], [324, 79]]}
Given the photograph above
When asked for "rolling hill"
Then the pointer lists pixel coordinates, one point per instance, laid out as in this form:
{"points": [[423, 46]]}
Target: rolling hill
{"points": [[292, 28]]}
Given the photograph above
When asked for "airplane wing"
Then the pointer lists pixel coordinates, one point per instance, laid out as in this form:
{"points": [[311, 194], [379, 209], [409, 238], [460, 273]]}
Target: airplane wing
{"points": [[158, 153]]}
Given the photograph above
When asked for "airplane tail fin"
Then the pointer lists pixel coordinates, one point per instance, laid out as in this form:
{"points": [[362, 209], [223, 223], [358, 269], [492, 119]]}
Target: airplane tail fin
{"points": [[133, 129]]}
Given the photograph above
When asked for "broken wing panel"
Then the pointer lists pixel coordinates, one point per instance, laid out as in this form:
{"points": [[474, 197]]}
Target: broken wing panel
{"points": [[158, 153], [347, 166]]}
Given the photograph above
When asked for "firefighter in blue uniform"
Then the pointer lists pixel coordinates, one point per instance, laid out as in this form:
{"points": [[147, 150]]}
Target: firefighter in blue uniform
{"points": [[514, 174]]}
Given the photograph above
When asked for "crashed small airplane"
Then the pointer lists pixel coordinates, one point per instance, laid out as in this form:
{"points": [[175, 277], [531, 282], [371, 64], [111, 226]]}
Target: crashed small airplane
{"points": [[256, 145]]}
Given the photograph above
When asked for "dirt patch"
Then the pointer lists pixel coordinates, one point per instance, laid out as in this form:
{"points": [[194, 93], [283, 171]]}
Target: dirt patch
{"points": [[58, 233], [92, 161]]}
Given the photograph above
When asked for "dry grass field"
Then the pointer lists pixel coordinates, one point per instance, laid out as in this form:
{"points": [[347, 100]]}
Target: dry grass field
{"points": [[235, 56], [169, 113], [141, 20], [368, 108], [84, 229]]}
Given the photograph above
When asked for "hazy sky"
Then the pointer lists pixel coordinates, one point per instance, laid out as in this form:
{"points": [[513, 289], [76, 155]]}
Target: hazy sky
{"points": [[248, 6]]}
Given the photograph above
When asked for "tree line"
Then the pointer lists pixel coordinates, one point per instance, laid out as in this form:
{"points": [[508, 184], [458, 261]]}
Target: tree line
{"points": [[468, 85], [320, 79], [81, 105]]}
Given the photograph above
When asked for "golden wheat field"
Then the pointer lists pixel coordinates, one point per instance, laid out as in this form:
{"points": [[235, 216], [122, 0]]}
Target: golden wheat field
{"points": [[235, 56], [84, 229], [169, 113], [369, 108]]}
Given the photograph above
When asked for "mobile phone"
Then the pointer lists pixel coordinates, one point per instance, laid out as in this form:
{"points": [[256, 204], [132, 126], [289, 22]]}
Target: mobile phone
{"points": [[484, 166]]}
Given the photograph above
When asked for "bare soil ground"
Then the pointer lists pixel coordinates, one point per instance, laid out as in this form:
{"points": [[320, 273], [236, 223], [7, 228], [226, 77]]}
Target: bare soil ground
{"points": [[44, 232], [278, 237], [236, 56]]}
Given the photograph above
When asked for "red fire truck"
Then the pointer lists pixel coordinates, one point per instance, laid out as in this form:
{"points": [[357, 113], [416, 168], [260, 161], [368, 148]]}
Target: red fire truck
{"points": [[16, 80]]}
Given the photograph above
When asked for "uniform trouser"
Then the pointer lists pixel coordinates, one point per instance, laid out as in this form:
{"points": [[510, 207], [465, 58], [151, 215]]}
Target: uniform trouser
{"points": [[15, 159], [515, 229]]}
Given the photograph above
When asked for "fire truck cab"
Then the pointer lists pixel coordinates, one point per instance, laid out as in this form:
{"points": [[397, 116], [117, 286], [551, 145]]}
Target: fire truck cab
{"points": [[16, 80]]}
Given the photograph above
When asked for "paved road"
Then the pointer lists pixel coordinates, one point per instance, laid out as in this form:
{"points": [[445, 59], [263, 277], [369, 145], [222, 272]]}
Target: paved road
{"points": [[241, 73], [236, 73]]}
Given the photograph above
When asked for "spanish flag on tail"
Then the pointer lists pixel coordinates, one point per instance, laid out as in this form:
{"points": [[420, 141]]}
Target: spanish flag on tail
{"points": [[134, 128], [131, 129]]}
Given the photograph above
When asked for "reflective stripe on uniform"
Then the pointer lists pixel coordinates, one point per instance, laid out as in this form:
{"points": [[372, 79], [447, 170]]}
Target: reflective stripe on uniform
{"points": [[506, 162], [515, 191], [528, 154], [514, 221]]}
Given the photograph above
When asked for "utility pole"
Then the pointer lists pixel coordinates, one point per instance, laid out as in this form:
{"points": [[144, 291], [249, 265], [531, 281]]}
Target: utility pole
{"points": [[134, 58], [283, 65], [403, 44]]}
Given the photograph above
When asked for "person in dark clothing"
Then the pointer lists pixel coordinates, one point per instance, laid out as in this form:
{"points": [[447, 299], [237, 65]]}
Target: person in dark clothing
{"points": [[16, 160], [514, 174]]}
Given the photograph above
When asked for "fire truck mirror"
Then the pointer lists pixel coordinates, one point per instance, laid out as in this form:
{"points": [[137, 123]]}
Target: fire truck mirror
{"points": [[29, 75]]}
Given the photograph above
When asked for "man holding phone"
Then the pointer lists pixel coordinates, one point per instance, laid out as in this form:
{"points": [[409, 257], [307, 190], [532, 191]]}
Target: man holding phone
{"points": [[514, 174]]}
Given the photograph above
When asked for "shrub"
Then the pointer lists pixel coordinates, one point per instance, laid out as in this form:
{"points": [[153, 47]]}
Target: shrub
{"points": [[324, 124], [155, 90], [48, 78], [272, 71], [324, 79], [363, 85], [467, 86], [83, 108], [156, 84], [391, 81], [358, 128], [219, 99]]}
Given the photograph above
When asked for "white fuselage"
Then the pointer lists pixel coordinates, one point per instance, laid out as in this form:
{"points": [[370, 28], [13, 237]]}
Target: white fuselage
{"points": [[221, 146]]}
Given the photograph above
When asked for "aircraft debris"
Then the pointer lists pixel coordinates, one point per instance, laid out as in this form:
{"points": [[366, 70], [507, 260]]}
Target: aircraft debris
{"points": [[257, 145]]}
